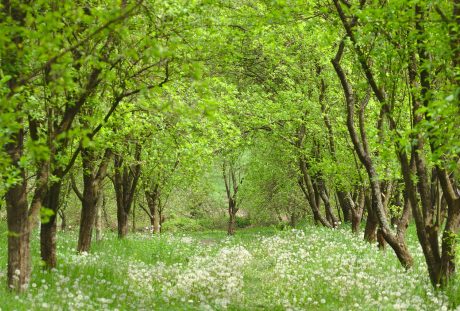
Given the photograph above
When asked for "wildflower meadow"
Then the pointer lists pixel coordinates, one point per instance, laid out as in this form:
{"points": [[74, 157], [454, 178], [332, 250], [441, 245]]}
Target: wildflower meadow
{"points": [[300, 269]]}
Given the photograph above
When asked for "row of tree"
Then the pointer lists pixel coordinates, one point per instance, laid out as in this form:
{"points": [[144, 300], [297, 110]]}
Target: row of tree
{"points": [[353, 105]]}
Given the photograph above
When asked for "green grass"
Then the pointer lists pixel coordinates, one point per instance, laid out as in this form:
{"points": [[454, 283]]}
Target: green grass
{"points": [[258, 269]]}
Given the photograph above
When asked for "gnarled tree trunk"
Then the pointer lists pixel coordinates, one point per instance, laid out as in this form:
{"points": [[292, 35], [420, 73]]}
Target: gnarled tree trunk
{"points": [[306, 185], [361, 146]]}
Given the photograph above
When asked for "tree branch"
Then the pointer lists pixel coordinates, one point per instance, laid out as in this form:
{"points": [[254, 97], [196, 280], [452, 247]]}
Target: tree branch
{"points": [[72, 48]]}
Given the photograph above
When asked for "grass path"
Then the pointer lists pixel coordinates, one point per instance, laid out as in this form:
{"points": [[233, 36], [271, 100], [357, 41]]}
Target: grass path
{"points": [[259, 269]]}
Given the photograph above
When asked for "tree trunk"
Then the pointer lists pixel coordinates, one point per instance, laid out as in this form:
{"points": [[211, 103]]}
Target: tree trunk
{"points": [[357, 209], [344, 206], [125, 183], [63, 204], [231, 222], [327, 205], [99, 220], [370, 231], [19, 261], [87, 219], [20, 217], [152, 223], [133, 229], [307, 187], [161, 219], [427, 238], [93, 176], [48, 228], [386, 188], [355, 223], [104, 212], [153, 197], [122, 220], [381, 239], [157, 222], [231, 187], [449, 249], [48, 242], [450, 234]]}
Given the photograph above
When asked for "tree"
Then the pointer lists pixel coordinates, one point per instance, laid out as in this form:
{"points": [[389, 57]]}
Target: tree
{"points": [[94, 172], [29, 73], [233, 180], [425, 94]]}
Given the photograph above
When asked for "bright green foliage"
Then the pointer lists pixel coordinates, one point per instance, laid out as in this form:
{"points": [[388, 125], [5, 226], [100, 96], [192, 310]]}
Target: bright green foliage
{"points": [[184, 89]]}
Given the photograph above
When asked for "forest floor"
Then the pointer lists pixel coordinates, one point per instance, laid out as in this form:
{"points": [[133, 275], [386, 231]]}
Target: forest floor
{"points": [[258, 269]]}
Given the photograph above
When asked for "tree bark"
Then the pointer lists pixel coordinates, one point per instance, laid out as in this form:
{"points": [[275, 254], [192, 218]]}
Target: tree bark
{"points": [[122, 220], [48, 242], [48, 228], [153, 197], [133, 229], [93, 176], [231, 222], [19, 261], [450, 234], [98, 224], [327, 205], [125, 183], [370, 230], [357, 205], [87, 220], [161, 217], [357, 209], [344, 206], [231, 187]]}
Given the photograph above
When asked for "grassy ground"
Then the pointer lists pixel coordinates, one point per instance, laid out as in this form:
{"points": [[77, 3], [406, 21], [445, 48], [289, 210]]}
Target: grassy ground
{"points": [[259, 269]]}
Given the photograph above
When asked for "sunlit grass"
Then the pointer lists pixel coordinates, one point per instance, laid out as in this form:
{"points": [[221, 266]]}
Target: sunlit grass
{"points": [[312, 268]]}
